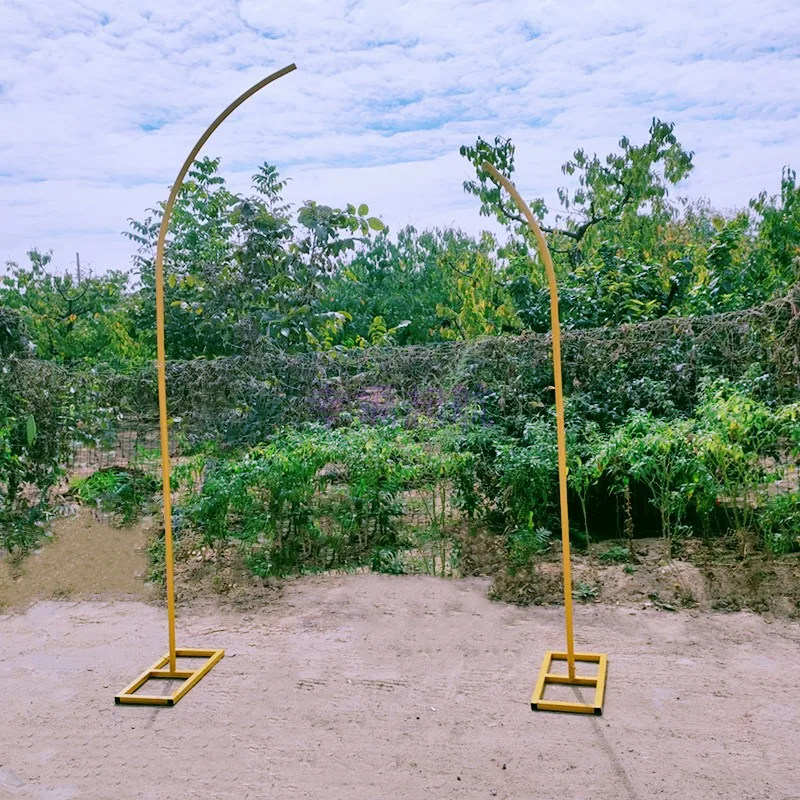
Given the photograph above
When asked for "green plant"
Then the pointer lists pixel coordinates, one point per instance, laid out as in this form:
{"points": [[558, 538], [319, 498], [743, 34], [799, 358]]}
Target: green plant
{"points": [[318, 498], [527, 473], [387, 561], [117, 490], [778, 520], [156, 556], [736, 433], [660, 455], [71, 318], [616, 554], [525, 543], [609, 198], [35, 439], [259, 563], [585, 592], [245, 272]]}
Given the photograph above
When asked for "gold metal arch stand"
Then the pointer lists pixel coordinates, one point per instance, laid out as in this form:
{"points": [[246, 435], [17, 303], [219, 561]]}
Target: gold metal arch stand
{"points": [[546, 676], [166, 667]]}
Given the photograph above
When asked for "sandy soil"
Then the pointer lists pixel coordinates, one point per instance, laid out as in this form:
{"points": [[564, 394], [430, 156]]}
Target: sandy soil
{"points": [[368, 687], [86, 558]]}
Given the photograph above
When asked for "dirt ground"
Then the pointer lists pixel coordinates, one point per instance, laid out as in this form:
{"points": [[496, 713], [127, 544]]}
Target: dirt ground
{"points": [[368, 686]]}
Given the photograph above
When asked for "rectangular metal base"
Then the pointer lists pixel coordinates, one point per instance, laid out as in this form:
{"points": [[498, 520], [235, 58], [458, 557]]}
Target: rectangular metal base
{"points": [[538, 703], [188, 678]]}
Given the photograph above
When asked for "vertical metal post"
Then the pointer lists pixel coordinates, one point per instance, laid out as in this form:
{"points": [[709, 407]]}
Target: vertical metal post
{"points": [[161, 354], [163, 424], [544, 254]]}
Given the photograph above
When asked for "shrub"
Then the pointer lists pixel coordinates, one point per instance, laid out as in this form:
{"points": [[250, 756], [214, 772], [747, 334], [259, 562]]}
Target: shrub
{"points": [[779, 522], [387, 561], [315, 497], [117, 490], [616, 554], [525, 543]]}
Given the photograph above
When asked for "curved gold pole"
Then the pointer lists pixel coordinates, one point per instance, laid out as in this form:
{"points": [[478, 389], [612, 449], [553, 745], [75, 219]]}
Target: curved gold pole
{"points": [[544, 254], [128, 696]]}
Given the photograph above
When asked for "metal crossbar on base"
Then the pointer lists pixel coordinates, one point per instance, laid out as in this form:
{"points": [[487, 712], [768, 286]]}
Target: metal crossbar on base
{"points": [[188, 678], [546, 678]]}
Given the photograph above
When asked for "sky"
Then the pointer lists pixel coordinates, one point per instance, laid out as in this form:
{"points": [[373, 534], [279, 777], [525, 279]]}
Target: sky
{"points": [[101, 101]]}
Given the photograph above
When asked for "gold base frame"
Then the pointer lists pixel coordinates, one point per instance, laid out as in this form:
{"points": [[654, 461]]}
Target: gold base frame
{"points": [[188, 678], [547, 678]]}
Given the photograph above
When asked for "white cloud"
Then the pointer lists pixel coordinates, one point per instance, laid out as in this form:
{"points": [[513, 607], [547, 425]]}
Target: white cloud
{"points": [[100, 101]]}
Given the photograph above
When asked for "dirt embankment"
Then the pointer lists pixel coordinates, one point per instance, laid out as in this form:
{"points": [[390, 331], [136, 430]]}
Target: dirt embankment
{"points": [[698, 576], [86, 558]]}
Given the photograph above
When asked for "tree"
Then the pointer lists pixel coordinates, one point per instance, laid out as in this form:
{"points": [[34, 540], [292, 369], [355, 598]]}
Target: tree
{"points": [[444, 284], [776, 262], [14, 339], [478, 302], [621, 197], [71, 320], [238, 270]]}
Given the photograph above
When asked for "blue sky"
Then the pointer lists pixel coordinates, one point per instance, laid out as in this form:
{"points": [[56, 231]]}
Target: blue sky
{"points": [[101, 101]]}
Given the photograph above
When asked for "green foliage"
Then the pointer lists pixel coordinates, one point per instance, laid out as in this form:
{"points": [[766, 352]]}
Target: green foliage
{"points": [[387, 561], [276, 317], [626, 253], [432, 286], [14, 339], [321, 498], [246, 273], [709, 469], [777, 259], [394, 280], [585, 592], [239, 271], [34, 444], [659, 455], [616, 554], [156, 555], [117, 490], [526, 543], [71, 320], [528, 475], [609, 196], [612, 289], [45, 411], [778, 519], [736, 434]]}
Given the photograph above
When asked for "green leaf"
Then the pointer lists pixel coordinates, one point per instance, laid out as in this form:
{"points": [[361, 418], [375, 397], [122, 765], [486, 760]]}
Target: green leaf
{"points": [[375, 224], [363, 210], [171, 281], [30, 430]]}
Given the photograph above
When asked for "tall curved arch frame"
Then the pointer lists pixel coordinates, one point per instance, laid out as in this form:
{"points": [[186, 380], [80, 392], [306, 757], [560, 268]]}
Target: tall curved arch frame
{"points": [[166, 668], [546, 675]]}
